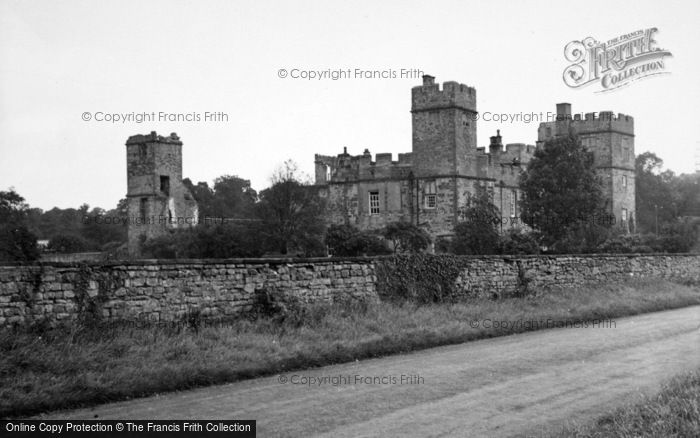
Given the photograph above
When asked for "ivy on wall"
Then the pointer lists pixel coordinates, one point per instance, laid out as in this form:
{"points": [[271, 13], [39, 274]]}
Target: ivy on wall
{"points": [[423, 278]]}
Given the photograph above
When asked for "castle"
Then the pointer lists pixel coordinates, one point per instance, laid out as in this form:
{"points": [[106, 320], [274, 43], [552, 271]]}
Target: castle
{"points": [[432, 185], [157, 199]]}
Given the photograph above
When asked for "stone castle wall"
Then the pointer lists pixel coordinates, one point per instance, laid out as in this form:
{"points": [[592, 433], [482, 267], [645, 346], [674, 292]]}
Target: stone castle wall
{"points": [[160, 291]]}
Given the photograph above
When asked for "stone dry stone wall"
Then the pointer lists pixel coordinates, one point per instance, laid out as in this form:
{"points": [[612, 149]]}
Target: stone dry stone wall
{"points": [[160, 291], [503, 275], [172, 290]]}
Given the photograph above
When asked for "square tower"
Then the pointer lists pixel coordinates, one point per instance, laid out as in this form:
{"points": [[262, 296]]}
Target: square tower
{"points": [[444, 129], [157, 199], [611, 139]]}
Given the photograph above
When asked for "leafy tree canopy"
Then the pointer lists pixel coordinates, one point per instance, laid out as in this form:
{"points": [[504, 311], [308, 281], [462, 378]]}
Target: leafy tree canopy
{"points": [[560, 189]]}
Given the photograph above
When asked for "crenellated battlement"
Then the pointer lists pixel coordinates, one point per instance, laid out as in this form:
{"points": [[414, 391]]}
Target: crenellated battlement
{"points": [[503, 163], [346, 167], [586, 123], [153, 137], [429, 96]]}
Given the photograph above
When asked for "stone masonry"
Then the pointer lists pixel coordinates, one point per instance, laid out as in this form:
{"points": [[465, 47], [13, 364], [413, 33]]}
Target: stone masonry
{"points": [[157, 199], [432, 185], [157, 291], [611, 139]]}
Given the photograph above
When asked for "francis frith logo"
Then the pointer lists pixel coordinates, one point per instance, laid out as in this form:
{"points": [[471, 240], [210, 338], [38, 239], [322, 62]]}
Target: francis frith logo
{"points": [[616, 62]]}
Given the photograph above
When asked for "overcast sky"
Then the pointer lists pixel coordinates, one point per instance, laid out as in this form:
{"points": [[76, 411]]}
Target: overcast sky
{"points": [[59, 60]]}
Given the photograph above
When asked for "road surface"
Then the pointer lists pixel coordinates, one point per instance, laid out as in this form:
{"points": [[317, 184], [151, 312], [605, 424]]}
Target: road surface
{"points": [[514, 385]]}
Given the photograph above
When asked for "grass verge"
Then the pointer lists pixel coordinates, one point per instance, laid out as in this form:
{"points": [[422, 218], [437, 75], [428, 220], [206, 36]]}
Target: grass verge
{"points": [[70, 368], [673, 412]]}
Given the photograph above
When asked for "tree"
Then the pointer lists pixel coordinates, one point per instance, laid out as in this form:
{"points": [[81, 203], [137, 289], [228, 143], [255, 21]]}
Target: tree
{"points": [[478, 232], [687, 189], [231, 197], [561, 191], [654, 197], [291, 212], [17, 243], [407, 237], [100, 227]]}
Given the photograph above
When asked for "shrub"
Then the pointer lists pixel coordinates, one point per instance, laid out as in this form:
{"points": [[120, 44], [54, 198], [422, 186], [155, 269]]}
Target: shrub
{"points": [[206, 241], [580, 238], [312, 246], [443, 245], [677, 237], [347, 240], [478, 232], [17, 243], [407, 237], [68, 243], [517, 241]]}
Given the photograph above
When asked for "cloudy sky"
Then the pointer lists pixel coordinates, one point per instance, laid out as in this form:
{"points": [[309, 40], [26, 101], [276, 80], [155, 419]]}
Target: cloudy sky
{"points": [[59, 60]]}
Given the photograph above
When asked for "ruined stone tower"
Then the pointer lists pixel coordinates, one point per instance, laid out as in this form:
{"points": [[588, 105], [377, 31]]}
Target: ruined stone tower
{"points": [[157, 199], [611, 139]]}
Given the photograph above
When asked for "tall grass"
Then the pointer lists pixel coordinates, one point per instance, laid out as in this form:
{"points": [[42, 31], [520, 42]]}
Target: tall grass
{"points": [[673, 412], [63, 368]]}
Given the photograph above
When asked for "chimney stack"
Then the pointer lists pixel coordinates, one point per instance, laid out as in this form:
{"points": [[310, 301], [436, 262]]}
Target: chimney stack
{"points": [[563, 111]]}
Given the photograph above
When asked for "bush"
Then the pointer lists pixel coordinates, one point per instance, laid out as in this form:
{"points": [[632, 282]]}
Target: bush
{"points": [[680, 236], [407, 237], [580, 238], [471, 238], [347, 240], [517, 241], [478, 233], [312, 246], [206, 241], [443, 245], [68, 243], [17, 243], [677, 237]]}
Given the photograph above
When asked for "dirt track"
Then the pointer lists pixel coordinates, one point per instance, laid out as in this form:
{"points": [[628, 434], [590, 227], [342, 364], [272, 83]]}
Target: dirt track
{"points": [[522, 384]]}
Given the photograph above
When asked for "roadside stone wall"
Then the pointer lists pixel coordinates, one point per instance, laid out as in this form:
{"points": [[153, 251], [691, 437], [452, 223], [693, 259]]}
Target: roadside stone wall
{"points": [[158, 290], [506, 275], [172, 290]]}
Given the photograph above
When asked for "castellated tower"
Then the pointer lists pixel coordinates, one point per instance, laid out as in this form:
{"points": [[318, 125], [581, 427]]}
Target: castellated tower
{"points": [[157, 199], [444, 128], [611, 139]]}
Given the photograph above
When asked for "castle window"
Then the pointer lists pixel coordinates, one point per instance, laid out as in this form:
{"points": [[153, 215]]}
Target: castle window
{"points": [[373, 202], [143, 208], [626, 150], [513, 202], [328, 173], [624, 180], [624, 215], [430, 194], [165, 185]]}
